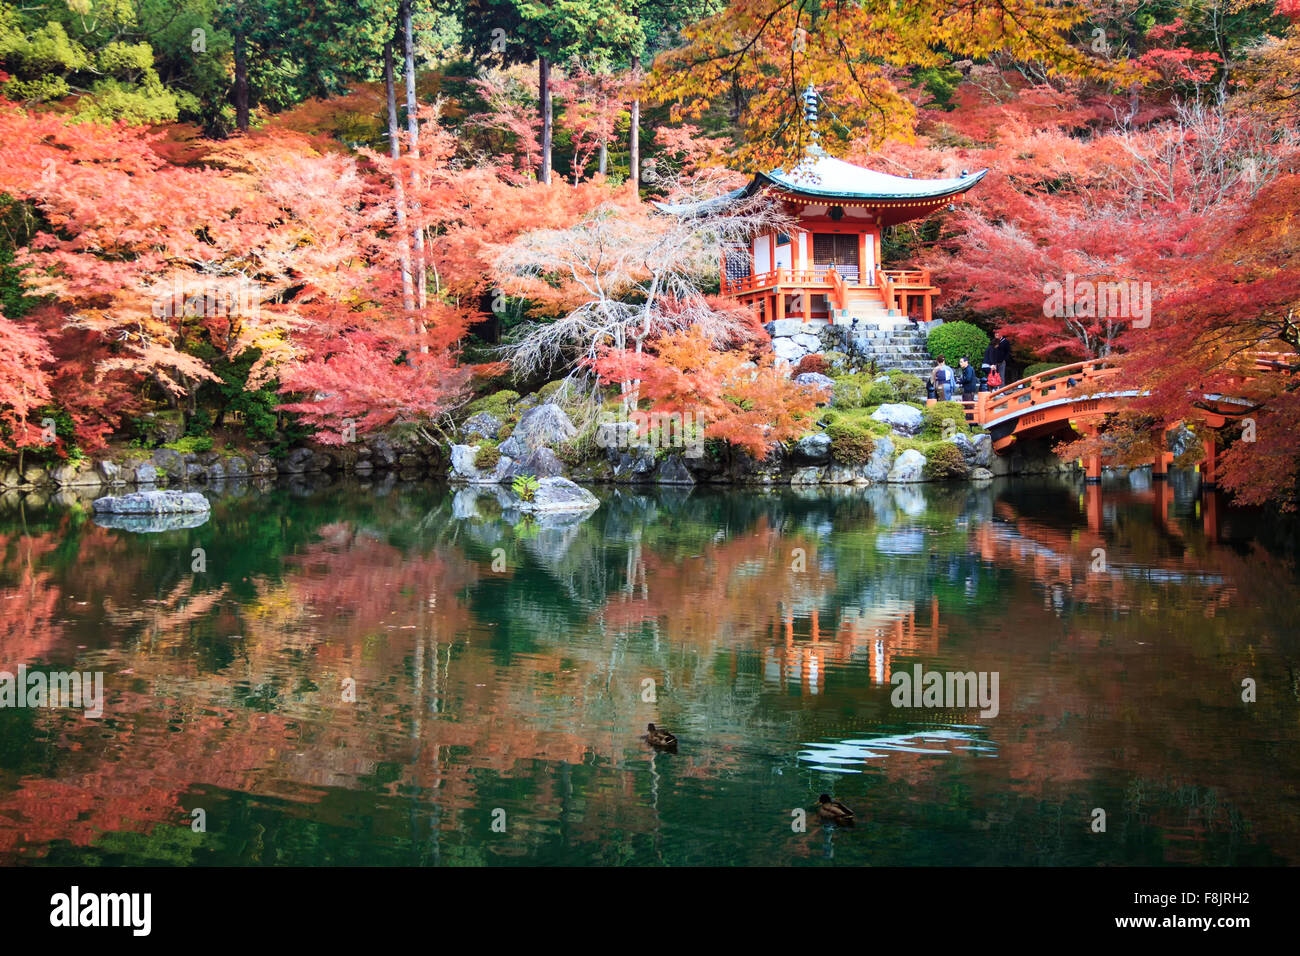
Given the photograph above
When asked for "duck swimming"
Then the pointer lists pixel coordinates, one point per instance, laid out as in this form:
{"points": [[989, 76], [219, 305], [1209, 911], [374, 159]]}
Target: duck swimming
{"points": [[833, 811], [660, 739]]}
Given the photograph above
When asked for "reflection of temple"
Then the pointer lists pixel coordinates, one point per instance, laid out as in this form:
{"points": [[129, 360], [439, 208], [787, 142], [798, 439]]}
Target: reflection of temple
{"points": [[801, 651]]}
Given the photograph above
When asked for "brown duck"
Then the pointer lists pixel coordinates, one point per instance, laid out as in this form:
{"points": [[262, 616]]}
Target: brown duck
{"points": [[834, 812], [660, 739]]}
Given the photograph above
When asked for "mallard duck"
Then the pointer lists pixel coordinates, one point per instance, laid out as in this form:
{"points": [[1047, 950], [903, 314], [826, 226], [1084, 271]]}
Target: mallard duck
{"points": [[660, 739], [834, 811]]}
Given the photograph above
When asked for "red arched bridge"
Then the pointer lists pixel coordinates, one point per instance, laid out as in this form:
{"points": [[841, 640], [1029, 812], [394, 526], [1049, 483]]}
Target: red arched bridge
{"points": [[1076, 397]]}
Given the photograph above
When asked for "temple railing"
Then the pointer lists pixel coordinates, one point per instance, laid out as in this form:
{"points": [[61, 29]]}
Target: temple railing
{"points": [[890, 282]]}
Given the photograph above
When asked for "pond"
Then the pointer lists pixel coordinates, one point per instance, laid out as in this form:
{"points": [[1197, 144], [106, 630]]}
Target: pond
{"points": [[404, 674]]}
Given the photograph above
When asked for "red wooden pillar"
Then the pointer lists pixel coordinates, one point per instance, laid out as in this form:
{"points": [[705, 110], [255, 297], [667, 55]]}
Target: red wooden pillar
{"points": [[1210, 516], [1092, 497], [780, 304], [1092, 469], [1162, 459], [1210, 466], [807, 305], [927, 307]]}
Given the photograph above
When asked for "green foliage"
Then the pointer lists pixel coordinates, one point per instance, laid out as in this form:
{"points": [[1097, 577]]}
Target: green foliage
{"points": [[487, 456], [940, 82], [200, 424], [1037, 367], [851, 442], [953, 340], [525, 486], [547, 391], [853, 391], [907, 388], [880, 393], [943, 461], [837, 363], [943, 419], [190, 444], [498, 403]]}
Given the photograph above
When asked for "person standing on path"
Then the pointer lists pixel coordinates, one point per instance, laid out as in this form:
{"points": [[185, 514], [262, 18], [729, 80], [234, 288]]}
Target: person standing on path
{"points": [[970, 382], [943, 381], [996, 355]]}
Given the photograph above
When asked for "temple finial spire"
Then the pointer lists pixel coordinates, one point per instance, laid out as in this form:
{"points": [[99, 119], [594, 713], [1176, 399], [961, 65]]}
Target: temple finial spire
{"points": [[810, 98]]}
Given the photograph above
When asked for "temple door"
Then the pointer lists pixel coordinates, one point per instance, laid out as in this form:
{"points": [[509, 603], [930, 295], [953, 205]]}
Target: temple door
{"points": [[838, 250]]}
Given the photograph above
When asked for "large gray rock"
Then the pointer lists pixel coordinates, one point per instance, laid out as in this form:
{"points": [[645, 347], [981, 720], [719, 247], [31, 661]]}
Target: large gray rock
{"points": [[146, 473], [556, 496], [807, 476], [110, 471], [788, 350], [881, 460], [807, 340], [981, 474], [908, 467], [152, 524], [903, 419], [482, 425], [634, 464], [463, 468], [785, 327], [236, 467], [153, 503], [815, 380], [814, 449], [298, 461], [542, 463], [673, 471], [542, 427], [983, 445], [846, 475], [382, 453], [169, 462]]}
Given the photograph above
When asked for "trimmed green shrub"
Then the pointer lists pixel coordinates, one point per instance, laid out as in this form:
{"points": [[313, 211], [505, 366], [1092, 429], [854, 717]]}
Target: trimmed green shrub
{"points": [[498, 403], [952, 340], [190, 444], [943, 460], [942, 419], [907, 388], [851, 442], [880, 393], [486, 458], [853, 391]]}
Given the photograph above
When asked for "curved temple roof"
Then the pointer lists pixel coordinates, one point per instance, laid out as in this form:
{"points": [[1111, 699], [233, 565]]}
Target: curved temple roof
{"points": [[819, 176], [827, 177]]}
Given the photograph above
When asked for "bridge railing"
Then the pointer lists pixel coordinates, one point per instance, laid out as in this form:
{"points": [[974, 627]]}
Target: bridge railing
{"points": [[1043, 388]]}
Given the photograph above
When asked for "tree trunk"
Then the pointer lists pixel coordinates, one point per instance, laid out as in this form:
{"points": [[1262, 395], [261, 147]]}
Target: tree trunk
{"points": [[544, 93], [634, 171], [241, 80], [395, 151], [413, 132], [603, 162]]}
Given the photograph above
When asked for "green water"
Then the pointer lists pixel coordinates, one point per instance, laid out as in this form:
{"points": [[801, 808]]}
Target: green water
{"points": [[504, 670]]}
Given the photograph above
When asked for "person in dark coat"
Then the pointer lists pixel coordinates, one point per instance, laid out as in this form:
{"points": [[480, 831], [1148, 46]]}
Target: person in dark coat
{"points": [[996, 355], [968, 380]]}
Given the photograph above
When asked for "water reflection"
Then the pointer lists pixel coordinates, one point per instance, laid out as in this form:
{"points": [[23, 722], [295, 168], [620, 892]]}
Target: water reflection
{"points": [[502, 662]]}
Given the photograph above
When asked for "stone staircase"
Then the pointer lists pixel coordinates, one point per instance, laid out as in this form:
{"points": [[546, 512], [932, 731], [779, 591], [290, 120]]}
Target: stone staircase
{"points": [[890, 346]]}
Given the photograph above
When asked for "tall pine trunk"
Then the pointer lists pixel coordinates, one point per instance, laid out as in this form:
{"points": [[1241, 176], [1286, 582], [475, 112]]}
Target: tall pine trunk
{"points": [[634, 171], [544, 92], [241, 80], [395, 151], [413, 133]]}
